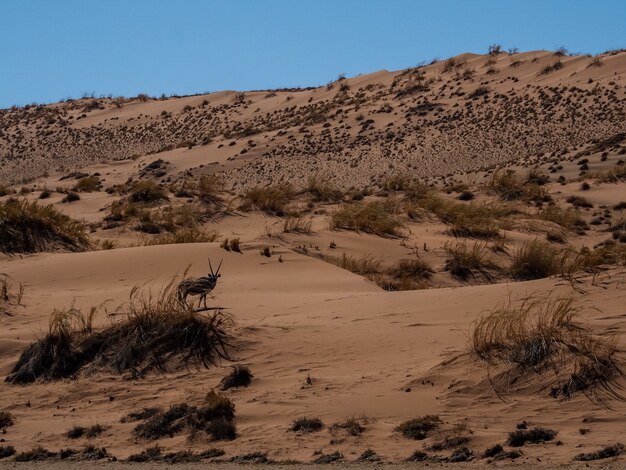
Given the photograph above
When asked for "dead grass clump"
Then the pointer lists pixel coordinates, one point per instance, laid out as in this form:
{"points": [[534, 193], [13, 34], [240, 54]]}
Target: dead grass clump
{"points": [[27, 227], [557, 65], [328, 458], [474, 220], [604, 453], [140, 415], [239, 376], [37, 454], [297, 225], [155, 331], [465, 262], [510, 187], [416, 269], [418, 428], [613, 175], [6, 451], [6, 419], [305, 424], [376, 217], [542, 336], [352, 426], [147, 192], [535, 260], [566, 218], [208, 189], [367, 265], [167, 423], [186, 235], [322, 190], [521, 437], [270, 199], [214, 417], [88, 453], [88, 184], [88, 432]]}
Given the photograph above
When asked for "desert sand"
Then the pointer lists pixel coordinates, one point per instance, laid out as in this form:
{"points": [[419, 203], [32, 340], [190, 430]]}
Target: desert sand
{"points": [[322, 338]]}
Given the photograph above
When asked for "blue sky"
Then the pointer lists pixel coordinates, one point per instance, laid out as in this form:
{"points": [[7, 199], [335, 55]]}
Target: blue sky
{"points": [[51, 50]]}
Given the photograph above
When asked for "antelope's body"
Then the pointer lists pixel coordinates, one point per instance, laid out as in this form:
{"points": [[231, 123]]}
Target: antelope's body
{"points": [[201, 286]]}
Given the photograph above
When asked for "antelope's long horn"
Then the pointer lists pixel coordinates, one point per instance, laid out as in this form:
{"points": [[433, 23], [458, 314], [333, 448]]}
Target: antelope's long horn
{"points": [[211, 267], [218, 268]]}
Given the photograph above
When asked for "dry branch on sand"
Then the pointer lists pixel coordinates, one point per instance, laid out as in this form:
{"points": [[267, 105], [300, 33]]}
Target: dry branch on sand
{"points": [[154, 333]]}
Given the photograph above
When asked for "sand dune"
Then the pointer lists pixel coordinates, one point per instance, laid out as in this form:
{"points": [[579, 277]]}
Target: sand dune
{"points": [[325, 314]]}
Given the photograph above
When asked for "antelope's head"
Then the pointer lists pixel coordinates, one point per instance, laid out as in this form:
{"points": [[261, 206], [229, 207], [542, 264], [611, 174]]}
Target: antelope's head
{"points": [[216, 274]]}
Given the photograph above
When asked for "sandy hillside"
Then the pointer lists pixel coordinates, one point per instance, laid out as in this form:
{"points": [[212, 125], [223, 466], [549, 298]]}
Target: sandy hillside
{"points": [[378, 275]]}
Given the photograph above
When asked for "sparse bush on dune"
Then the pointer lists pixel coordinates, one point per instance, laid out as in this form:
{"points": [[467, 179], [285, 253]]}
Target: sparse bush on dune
{"points": [[155, 332], [270, 199], [28, 227], [239, 376], [613, 175], [188, 235], [416, 269], [604, 453], [465, 262], [375, 217], [419, 428], [407, 274], [6, 451], [535, 259], [208, 189], [306, 424], [543, 337], [566, 218], [473, 220], [214, 416], [364, 266], [6, 419], [297, 225], [88, 184], [146, 192], [510, 187], [520, 437], [321, 189], [36, 454]]}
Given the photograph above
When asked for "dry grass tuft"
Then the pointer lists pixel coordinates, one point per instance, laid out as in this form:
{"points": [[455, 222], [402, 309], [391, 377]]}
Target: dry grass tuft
{"points": [[270, 199], [535, 260], [297, 225], [6, 419], [520, 437], [239, 376], [146, 192], [306, 425], [155, 331], [321, 189], [543, 336], [465, 262], [604, 453], [214, 417], [185, 235], [28, 227], [510, 187], [567, 218], [376, 217], [418, 428]]}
